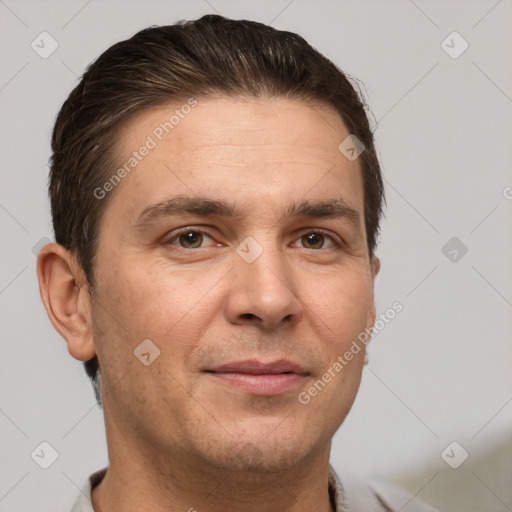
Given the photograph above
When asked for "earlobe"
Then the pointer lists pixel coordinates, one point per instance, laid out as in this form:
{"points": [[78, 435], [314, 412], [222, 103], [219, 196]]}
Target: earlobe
{"points": [[65, 295]]}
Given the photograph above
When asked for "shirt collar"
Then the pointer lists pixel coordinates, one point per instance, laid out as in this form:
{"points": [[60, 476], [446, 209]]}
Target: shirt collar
{"points": [[336, 492]]}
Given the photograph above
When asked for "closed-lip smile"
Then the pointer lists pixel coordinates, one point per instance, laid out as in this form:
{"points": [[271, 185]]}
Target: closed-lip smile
{"points": [[260, 378]]}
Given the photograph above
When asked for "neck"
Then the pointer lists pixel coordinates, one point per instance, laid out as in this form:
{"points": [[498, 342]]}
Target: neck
{"points": [[141, 479]]}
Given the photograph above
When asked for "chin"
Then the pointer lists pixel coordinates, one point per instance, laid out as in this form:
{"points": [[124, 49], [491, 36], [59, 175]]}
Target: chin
{"points": [[260, 450]]}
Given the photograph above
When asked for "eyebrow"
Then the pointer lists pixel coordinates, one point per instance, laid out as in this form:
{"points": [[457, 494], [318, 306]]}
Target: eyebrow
{"points": [[203, 206]]}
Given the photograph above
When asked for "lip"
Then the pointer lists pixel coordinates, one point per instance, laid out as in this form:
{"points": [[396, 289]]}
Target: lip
{"points": [[256, 367], [260, 378]]}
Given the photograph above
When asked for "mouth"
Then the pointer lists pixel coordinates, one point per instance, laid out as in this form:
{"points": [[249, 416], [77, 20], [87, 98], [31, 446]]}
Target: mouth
{"points": [[259, 378]]}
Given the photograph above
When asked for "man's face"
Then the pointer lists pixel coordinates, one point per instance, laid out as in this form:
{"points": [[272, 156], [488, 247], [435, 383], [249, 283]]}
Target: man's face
{"points": [[186, 281]]}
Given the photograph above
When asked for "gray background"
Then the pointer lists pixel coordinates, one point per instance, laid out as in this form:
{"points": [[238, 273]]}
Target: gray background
{"points": [[438, 373]]}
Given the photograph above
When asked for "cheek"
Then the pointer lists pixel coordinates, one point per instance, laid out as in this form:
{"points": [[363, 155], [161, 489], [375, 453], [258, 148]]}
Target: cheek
{"points": [[133, 305], [151, 298], [343, 304], [331, 394], [173, 308]]}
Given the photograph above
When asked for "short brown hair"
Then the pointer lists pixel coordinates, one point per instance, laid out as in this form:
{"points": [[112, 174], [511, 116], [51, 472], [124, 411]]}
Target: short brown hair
{"points": [[209, 56]]}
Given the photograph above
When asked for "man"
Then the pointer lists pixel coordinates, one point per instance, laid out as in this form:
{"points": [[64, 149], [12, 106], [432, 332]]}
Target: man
{"points": [[216, 199]]}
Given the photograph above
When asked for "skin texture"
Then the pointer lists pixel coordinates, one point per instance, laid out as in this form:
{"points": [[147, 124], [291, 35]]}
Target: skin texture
{"points": [[179, 438]]}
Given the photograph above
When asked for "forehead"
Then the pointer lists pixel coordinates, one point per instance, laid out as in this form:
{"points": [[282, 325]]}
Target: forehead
{"points": [[236, 120], [236, 147]]}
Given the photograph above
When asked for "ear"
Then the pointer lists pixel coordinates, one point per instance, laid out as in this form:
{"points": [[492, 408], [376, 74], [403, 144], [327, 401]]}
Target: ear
{"points": [[375, 268], [65, 295]]}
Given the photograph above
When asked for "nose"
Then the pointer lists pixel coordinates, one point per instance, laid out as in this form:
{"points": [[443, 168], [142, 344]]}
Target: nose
{"points": [[263, 293]]}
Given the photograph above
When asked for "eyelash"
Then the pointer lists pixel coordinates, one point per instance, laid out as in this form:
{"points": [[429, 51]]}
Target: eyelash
{"points": [[337, 244]]}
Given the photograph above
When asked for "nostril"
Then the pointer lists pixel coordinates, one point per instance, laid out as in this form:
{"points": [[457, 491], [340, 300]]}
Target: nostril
{"points": [[248, 316]]}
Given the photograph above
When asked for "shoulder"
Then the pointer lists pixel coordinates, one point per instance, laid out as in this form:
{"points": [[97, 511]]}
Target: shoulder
{"points": [[391, 498], [370, 495]]}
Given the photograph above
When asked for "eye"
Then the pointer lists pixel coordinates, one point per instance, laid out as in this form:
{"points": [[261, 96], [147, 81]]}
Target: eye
{"points": [[189, 239], [316, 240]]}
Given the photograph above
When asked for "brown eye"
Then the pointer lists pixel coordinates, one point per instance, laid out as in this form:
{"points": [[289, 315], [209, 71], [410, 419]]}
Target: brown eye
{"points": [[317, 240], [190, 239], [313, 240]]}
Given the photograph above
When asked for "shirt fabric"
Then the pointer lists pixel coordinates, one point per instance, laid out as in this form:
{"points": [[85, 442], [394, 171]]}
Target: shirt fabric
{"points": [[355, 496]]}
